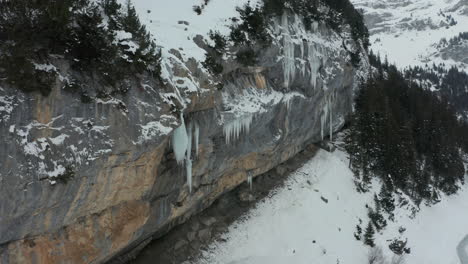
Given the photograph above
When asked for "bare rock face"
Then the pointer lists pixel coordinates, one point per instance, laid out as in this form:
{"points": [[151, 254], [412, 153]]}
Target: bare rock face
{"points": [[83, 183]]}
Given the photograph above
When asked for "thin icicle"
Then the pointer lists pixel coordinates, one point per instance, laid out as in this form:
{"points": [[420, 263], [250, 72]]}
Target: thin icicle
{"points": [[197, 137]]}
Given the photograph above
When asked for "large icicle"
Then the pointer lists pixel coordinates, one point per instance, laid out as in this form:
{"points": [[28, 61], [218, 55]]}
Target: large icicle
{"points": [[249, 180], [233, 129], [180, 141]]}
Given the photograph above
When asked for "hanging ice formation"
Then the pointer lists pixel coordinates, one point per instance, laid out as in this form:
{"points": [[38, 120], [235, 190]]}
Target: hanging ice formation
{"points": [[182, 146], [233, 129], [293, 62]]}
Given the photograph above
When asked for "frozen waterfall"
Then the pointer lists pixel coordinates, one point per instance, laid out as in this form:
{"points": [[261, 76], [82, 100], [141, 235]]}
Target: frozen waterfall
{"points": [[182, 146]]}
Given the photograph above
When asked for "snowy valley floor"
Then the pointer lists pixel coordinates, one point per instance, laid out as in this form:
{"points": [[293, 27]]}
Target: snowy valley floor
{"points": [[312, 218]]}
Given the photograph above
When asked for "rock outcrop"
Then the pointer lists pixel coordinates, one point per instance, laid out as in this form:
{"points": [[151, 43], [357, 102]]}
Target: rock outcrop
{"points": [[82, 183]]}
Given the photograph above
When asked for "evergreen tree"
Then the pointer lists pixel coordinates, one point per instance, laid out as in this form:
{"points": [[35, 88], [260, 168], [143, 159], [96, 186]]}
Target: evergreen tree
{"points": [[32, 31], [376, 217], [369, 235], [386, 199], [358, 232], [112, 10], [407, 136]]}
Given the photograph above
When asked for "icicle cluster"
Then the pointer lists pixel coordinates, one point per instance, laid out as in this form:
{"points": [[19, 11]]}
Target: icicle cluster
{"points": [[233, 130], [182, 147], [311, 60]]}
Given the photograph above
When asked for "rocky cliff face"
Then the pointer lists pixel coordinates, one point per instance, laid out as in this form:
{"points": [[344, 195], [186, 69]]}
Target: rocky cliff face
{"points": [[81, 183]]}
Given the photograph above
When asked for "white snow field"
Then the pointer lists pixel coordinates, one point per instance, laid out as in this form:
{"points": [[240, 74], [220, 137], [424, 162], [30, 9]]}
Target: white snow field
{"points": [[297, 226], [408, 31]]}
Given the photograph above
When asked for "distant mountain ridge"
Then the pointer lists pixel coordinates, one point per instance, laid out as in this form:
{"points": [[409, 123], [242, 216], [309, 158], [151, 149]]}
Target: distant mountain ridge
{"points": [[408, 32]]}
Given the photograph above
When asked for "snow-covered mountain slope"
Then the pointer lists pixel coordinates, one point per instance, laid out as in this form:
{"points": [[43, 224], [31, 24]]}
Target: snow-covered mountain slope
{"points": [[313, 217], [409, 31]]}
